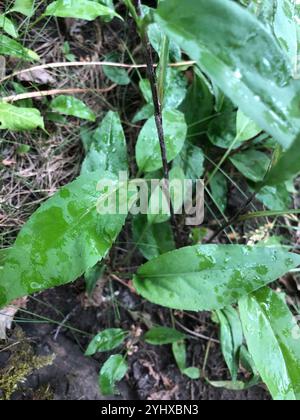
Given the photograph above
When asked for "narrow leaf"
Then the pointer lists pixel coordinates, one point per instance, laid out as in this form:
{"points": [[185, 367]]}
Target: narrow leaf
{"points": [[79, 9], [273, 336], [113, 370], [106, 340], [8, 26], [68, 105], [163, 335], [13, 48]]}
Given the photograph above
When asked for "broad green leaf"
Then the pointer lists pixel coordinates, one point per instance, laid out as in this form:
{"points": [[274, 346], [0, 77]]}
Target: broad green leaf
{"points": [[210, 277], [25, 7], [148, 153], [231, 338], [13, 48], [198, 106], [106, 340], [107, 148], [179, 352], [79, 9], [3, 255], [253, 164], [8, 26], [273, 336], [191, 161], [152, 240], [115, 74], [275, 197], [219, 190], [61, 240], [245, 127], [19, 119], [113, 370], [162, 335], [241, 56], [159, 209], [68, 105], [222, 131]]}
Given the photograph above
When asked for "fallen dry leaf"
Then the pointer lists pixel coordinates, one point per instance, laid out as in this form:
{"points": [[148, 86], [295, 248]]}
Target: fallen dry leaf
{"points": [[41, 76], [7, 315]]}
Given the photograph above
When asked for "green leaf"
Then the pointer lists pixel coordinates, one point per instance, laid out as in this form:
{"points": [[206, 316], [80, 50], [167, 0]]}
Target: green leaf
{"points": [[272, 336], [234, 385], [275, 197], [25, 7], [19, 119], [198, 107], [219, 190], [231, 338], [3, 255], [13, 48], [179, 352], [253, 164], [222, 130], [106, 340], [191, 161], [79, 9], [68, 105], [8, 26], [107, 150], [210, 277], [115, 74], [245, 127], [61, 240], [162, 335], [156, 39], [152, 240], [229, 43], [113, 370], [148, 153]]}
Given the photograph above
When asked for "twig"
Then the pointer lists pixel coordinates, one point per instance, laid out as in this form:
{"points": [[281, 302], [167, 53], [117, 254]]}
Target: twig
{"points": [[89, 63], [43, 93], [195, 334]]}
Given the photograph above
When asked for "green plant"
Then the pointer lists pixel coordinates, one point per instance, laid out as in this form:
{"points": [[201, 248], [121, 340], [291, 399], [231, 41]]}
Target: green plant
{"points": [[243, 77]]}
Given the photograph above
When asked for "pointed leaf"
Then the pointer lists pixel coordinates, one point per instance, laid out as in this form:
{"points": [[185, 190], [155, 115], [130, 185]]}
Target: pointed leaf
{"points": [[113, 370], [106, 340], [253, 164], [209, 277], [148, 153], [162, 335], [273, 338], [61, 240], [13, 48], [8, 26], [79, 9], [68, 105], [25, 7]]}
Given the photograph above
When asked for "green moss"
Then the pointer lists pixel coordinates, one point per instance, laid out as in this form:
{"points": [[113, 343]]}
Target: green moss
{"points": [[22, 363]]}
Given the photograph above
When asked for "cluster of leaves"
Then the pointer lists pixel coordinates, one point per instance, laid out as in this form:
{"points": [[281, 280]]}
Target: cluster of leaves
{"points": [[244, 99]]}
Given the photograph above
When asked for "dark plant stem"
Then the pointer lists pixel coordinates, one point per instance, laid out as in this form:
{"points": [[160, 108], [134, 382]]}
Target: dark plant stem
{"points": [[157, 113]]}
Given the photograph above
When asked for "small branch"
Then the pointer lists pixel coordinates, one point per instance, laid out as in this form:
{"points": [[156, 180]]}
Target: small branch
{"points": [[43, 93], [89, 64]]}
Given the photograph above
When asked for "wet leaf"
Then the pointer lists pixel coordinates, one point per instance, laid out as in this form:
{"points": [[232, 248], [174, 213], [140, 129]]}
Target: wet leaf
{"points": [[113, 370], [79, 9], [253, 164], [191, 161], [106, 340], [107, 148], [148, 153], [273, 336], [19, 119], [13, 48], [152, 240], [275, 197], [241, 56], [210, 277], [61, 240], [68, 105], [162, 335], [245, 127]]}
